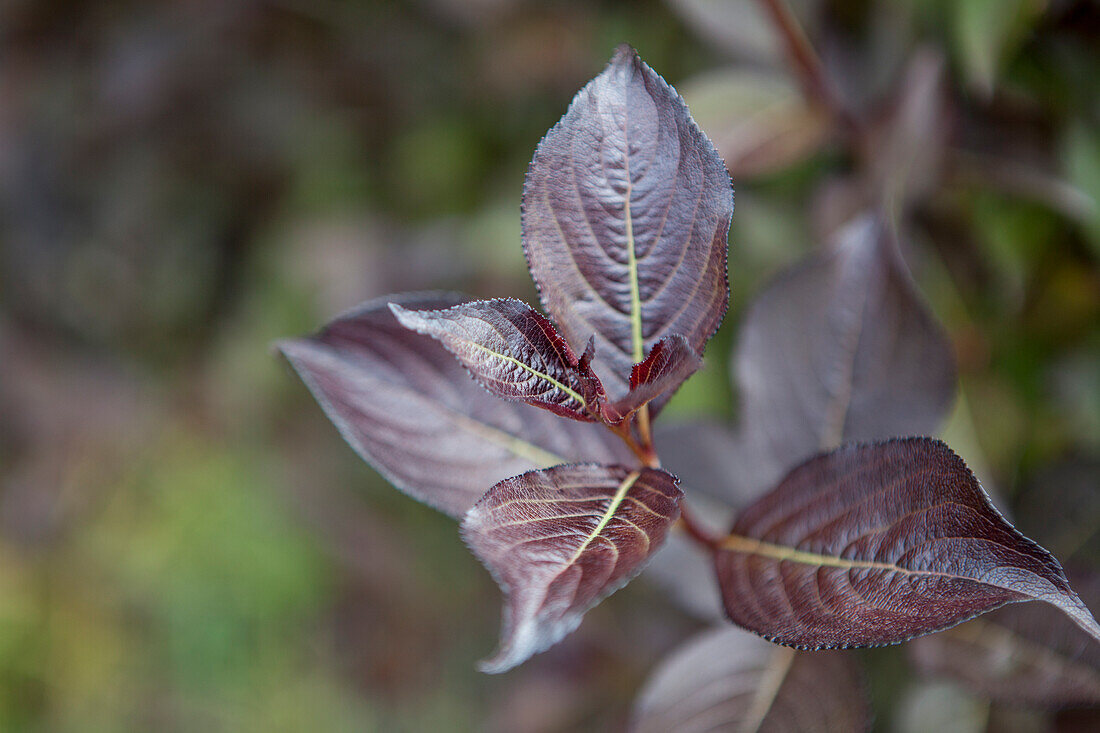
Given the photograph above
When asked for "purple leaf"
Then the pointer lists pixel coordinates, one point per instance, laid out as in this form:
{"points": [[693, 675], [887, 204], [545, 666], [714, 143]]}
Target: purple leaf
{"points": [[559, 540], [876, 544], [409, 409], [626, 214], [839, 348], [514, 352], [1025, 654], [711, 460], [728, 680], [670, 362]]}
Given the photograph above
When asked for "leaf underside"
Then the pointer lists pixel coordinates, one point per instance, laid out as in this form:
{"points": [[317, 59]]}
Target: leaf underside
{"points": [[840, 348], [559, 540], [626, 214], [513, 351], [409, 409], [878, 543], [729, 680]]}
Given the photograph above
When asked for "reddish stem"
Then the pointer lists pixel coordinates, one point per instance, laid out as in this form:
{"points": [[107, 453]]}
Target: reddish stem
{"points": [[644, 451], [807, 64], [696, 531]]}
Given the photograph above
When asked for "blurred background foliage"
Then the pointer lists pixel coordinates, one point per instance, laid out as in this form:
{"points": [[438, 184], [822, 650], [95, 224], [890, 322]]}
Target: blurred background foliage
{"points": [[186, 544]]}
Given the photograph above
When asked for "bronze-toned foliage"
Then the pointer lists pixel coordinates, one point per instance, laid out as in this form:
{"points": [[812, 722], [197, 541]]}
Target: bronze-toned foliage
{"points": [[869, 539]]}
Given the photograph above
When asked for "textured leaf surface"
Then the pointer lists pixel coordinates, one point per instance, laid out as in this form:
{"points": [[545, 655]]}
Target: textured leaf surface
{"points": [[669, 363], [1021, 654], [877, 543], [514, 352], [729, 680], [560, 540], [409, 409], [841, 348], [626, 216]]}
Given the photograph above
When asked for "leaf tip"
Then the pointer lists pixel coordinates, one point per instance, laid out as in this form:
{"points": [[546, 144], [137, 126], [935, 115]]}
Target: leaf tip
{"points": [[408, 318], [624, 53], [1082, 616]]}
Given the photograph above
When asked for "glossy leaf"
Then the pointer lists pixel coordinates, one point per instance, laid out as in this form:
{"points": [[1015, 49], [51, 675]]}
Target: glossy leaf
{"points": [[626, 213], [729, 680], [876, 544], [559, 540], [840, 348], [409, 409], [514, 352], [1027, 654], [669, 363]]}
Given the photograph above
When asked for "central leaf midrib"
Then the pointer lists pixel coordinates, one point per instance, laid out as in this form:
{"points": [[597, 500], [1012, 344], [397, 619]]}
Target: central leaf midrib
{"points": [[612, 507], [632, 265], [771, 681], [572, 393], [751, 546]]}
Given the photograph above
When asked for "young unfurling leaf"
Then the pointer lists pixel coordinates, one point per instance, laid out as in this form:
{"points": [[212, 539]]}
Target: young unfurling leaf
{"points": [[670, 362], [626, 214], [728, 680], [410, 410], [878, 543], [514, 352], [559, 540]]}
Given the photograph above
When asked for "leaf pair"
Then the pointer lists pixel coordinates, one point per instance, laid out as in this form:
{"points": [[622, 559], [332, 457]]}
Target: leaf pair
{"points": [[515, 353], [626, 214], [409, 409], [874, 542]]}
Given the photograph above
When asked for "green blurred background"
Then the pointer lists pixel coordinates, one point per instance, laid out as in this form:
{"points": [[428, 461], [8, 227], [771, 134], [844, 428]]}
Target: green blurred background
{"points": [[185, 542]]}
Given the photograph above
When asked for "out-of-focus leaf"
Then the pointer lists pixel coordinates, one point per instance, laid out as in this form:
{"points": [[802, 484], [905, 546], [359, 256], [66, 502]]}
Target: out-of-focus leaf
{"points": [[727, 679], [840, 347], [904, 150], [670, 362], [409, 409], [1026, 654], [709, 459], [986, 32], [759, 121], [514, 352], [559, 540], [943, 708], [626, 214], [1061, 506], [1082, 163], [740, 27], [876, 544]]}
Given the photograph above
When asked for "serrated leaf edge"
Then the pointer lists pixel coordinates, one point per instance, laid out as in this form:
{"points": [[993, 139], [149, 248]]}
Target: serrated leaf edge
{"points": [[401, 314]]}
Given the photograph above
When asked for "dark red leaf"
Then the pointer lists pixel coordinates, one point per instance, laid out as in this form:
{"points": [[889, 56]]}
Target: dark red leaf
{"points": [[626, 213], [670, 362], [1026, 654], [839, 348], [558, 541], [409, 409], [728, 680], [876, 544], [514, 352]]}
